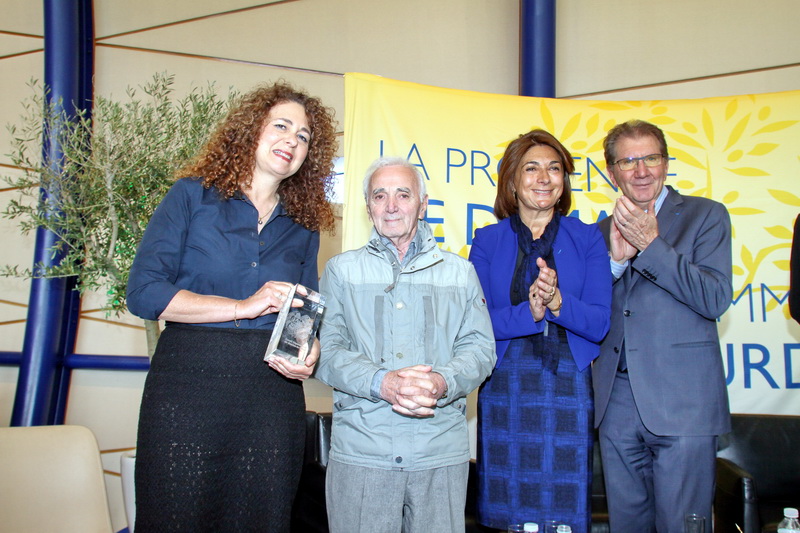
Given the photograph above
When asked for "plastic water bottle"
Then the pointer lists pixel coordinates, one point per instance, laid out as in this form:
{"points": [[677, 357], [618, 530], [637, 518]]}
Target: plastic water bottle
{"points": [[563, 529], [789, 524], [531, 527]]}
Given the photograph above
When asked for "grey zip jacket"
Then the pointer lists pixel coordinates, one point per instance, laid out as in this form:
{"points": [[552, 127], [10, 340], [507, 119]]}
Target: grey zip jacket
{"points": [[382, 316]]}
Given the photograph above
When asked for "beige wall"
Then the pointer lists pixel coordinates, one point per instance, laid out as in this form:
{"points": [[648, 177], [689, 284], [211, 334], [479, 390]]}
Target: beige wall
{"points": [[617, 49]]}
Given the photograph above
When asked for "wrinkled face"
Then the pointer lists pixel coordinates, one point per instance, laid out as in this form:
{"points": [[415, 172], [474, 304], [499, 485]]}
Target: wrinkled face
{"points": [[539, 182], [642, 184], [394, 205], [284, 141]]}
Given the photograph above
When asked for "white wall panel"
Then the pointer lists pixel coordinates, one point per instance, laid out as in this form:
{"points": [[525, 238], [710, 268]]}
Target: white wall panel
{"points": [[468, 44], [616, 44]]}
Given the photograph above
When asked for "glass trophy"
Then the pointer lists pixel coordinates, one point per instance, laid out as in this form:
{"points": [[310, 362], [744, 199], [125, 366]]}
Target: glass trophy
{"points": [[296, 327]]}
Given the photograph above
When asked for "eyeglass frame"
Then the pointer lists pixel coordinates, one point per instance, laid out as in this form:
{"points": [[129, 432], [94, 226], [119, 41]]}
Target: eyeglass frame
{"points": [[635, 161]]}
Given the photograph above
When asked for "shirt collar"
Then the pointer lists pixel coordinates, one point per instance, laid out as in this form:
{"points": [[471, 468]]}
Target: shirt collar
{"points": [[413, 247], [661, 197]]}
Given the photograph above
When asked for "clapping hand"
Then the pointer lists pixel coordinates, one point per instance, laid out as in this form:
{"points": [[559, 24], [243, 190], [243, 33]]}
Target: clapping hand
{"points": [[633, 229], [544, 292]]}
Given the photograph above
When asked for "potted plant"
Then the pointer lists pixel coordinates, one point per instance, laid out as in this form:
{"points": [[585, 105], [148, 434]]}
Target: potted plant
{"points": [[116, 165]]}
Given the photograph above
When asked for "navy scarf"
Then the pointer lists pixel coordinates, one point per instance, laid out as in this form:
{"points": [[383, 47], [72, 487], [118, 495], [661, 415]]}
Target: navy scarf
{"points": [[526, 273]]}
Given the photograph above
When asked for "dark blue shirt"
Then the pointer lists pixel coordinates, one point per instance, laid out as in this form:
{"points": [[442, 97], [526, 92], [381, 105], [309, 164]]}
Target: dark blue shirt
{"points": [[205, 244]]}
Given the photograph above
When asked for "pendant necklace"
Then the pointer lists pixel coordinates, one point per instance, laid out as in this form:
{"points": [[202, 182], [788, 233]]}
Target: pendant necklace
{"points": [[263, 219]]}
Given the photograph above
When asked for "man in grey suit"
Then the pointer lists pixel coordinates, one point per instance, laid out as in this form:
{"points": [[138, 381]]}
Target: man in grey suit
{"points": [[659, 385]]}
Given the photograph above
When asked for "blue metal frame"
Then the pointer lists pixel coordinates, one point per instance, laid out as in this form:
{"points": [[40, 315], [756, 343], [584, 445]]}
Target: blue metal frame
{"points": [[537, 54], [43, 380]]}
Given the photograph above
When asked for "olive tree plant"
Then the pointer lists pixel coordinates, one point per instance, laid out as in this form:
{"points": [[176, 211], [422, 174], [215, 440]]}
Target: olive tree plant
{"points": [[115, 167]]}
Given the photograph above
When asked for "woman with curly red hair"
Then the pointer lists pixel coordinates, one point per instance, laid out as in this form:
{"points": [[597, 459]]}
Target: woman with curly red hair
{"points": [[221, 433]]}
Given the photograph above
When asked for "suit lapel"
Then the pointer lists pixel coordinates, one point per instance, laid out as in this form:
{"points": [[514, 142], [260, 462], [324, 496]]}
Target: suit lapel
{"points": [[669, 212]]}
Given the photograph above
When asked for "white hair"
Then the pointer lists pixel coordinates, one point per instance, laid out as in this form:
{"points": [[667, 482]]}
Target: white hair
{"points": [[394, 162]]}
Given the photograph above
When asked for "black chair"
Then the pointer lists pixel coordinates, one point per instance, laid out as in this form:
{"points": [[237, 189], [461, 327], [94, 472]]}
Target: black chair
{"points": [[309, 512], [599, 502], [758, 472]]}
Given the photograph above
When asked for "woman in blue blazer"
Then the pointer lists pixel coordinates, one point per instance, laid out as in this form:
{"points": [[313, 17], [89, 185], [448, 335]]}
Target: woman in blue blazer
{"points": [[548, 288]]}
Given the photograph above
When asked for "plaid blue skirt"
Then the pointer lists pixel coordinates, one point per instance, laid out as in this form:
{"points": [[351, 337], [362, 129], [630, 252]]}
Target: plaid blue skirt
{"points": [[535, 435]]}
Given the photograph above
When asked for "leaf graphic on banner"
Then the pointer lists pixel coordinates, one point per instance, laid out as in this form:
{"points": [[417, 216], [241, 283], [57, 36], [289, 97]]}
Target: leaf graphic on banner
{"points": [[571, 127], [744, 211], [730, 109], [764, 112], [691, 128], [781, 232], [592, 124], [782, 264], [596, 147], [578, 146], [464, 252], [762, 149], [684, 139], [730, 197], [662, 120], [684, 157], [708, 126], [598, 198], [685, 185], [547, 117], [785, 197], [776, 126], [736, 132], [737, 270], [735, 155], [747, 258], [748, 171]]}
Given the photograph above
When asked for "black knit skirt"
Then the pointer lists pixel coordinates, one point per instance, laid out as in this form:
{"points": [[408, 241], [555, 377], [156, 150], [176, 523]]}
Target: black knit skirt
{"points": [[221, 435]]}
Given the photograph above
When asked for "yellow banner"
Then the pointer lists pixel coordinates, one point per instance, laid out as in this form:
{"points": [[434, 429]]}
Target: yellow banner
{"points": [[743, 151]]}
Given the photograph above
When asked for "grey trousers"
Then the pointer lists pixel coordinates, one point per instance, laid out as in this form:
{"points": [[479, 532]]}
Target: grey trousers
{"points": [[372, 500], [652, 481]]}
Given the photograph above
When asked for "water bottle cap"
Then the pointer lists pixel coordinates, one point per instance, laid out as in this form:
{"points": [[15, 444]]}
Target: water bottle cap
{"points": [[531, 527], [790, 512], [563, 529]]}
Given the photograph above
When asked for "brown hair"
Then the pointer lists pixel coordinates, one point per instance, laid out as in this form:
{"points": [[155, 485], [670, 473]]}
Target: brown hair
{"points": [[633, 129], [505, 204], [228, 159]]}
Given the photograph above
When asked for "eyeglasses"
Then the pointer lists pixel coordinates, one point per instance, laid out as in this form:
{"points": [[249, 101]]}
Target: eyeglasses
{"points": [[629, 163]]}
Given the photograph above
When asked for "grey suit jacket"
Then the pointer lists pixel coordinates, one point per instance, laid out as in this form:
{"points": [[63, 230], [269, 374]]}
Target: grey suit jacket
{"points": [[664, 308]]}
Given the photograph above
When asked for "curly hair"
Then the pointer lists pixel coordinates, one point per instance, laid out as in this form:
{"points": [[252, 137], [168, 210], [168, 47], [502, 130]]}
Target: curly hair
{"points": [[228, 159], [505, 204]]}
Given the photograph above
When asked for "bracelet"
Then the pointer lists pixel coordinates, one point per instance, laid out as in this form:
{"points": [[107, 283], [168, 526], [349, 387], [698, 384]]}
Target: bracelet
{"points": [[235, 320]]}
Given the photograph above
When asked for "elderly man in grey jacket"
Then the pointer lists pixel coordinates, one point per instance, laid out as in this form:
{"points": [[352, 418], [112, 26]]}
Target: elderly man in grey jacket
{"points": [[405, 337]]}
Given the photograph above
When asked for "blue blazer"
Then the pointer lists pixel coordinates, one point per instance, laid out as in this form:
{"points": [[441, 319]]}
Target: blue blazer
{"points": [[665, 310], [584, 279]]}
